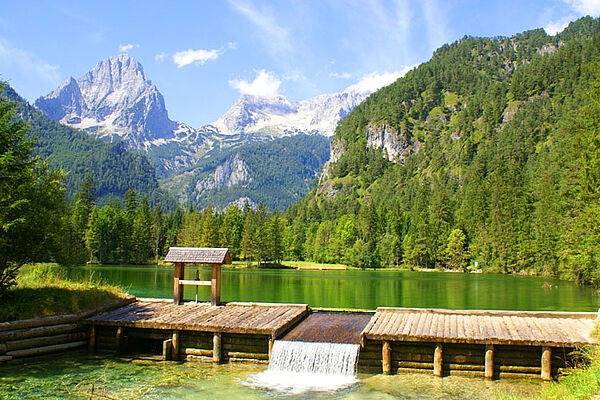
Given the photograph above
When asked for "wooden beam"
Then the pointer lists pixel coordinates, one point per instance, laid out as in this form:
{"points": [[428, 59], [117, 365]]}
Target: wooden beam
{"points": [[35, 351], [271, 340], [546, 363], [489, 361], [175, 343], [120, 339], [386, 358], [177, 287], [215, 288], [193, 282], [217, 347], [437, 360], [167, 350], [92, 339]]}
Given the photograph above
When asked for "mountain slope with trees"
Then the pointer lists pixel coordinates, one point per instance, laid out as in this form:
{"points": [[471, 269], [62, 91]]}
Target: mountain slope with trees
{"points": [[488, 152], [113, 168]]}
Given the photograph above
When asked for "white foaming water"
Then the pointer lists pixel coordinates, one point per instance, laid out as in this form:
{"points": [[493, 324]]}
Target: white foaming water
{"points": [[297, 367]]}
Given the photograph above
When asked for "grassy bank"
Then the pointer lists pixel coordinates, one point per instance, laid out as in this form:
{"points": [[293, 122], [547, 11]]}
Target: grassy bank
{"points": [[582, 382], [47, 289]]}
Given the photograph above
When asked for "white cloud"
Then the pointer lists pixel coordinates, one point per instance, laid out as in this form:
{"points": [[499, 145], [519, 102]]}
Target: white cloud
{"points": [[340, 75], [198, 57], [554, 27], [579, 8], [26, 61], [275, 36], [264, 84], [124, 48], [160, 57], [585, 7], [374, 80]]}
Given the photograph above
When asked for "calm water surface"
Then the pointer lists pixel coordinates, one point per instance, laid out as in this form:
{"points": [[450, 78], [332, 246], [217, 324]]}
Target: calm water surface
{"points": [[364, 289]]}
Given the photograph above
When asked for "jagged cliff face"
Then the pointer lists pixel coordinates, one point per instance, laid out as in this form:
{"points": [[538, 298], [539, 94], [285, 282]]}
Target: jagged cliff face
{"points": [[232, 172], [393, 143], [113, 101]]}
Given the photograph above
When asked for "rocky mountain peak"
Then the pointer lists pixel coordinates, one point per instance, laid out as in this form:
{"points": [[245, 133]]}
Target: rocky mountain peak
{"points": [[115, 101]]}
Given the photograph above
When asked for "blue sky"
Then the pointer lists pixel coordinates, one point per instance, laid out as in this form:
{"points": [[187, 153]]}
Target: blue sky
{"points": [[202, 54]]}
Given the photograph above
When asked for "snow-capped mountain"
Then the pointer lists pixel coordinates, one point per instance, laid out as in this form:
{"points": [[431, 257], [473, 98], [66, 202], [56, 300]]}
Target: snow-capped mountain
{"points": [[115, 101], [277, 116]]}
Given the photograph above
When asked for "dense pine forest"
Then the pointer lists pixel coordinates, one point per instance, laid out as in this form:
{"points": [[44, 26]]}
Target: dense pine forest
{"points": [[500, 163], [496, 160]]}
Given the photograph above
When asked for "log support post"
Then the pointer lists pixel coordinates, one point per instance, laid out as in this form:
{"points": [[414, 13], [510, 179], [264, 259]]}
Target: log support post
{"points": [[177, 287], [217, 347], [175, 343], [215, 285], [167, 350], [489, 361], [271, 340], [120, 340], [386, 358], [437, 360], [546, 363], [92, 339]]}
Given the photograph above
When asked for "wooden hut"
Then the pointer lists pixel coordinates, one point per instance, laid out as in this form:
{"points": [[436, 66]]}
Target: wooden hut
{"points": [[198, 255]]}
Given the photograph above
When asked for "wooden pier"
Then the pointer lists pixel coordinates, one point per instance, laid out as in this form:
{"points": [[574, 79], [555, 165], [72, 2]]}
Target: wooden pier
{"points": [[489, 344], [233, 331]]}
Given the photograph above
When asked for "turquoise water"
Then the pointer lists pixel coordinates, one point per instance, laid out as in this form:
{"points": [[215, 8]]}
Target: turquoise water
{"points": [[78, 376], [364, 289]]}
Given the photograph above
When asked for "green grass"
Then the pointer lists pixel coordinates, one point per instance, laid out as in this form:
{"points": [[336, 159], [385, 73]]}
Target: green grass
{"points": [[582, 382], [45, 289]]}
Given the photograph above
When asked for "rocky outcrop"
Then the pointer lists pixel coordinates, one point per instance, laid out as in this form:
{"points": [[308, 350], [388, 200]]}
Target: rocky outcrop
{"points": [[336, 149], [232, 172], [394, 144], [242, 202]]}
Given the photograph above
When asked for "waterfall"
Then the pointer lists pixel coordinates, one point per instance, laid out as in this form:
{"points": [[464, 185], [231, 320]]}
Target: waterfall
{"points": [[301, 366]]}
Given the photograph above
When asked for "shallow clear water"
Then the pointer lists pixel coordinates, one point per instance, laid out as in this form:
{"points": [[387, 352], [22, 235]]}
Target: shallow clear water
{"points": [[364, 289], [75, 375]]}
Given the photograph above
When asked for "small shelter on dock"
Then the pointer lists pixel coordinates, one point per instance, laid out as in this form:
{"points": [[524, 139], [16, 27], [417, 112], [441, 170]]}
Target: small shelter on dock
{"points": [[180, 256]]}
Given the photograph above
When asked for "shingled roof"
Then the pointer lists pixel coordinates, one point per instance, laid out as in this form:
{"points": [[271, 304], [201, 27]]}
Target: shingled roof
{"points": [[199, 255]]}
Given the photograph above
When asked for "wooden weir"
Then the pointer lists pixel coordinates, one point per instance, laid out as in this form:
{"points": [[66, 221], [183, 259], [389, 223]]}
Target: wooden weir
{"points": [[230, 332], [473, 342], [489, 344]]}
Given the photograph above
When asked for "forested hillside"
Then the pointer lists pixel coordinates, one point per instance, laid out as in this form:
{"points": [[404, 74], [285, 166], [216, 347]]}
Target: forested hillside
{"points": [[276, 173], [489, 152], [113, 169]]}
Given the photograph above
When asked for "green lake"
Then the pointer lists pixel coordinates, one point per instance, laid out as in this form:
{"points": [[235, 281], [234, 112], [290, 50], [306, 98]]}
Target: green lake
{"points": [[366, 290]]}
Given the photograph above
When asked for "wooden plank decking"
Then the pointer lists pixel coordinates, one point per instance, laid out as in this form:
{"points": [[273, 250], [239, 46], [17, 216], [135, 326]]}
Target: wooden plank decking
{"points": [[481, 327], [241, 318], [330, 327]]}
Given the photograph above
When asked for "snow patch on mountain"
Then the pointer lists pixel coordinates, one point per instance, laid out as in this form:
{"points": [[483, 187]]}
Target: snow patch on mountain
{"points": [[276, 116]]}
